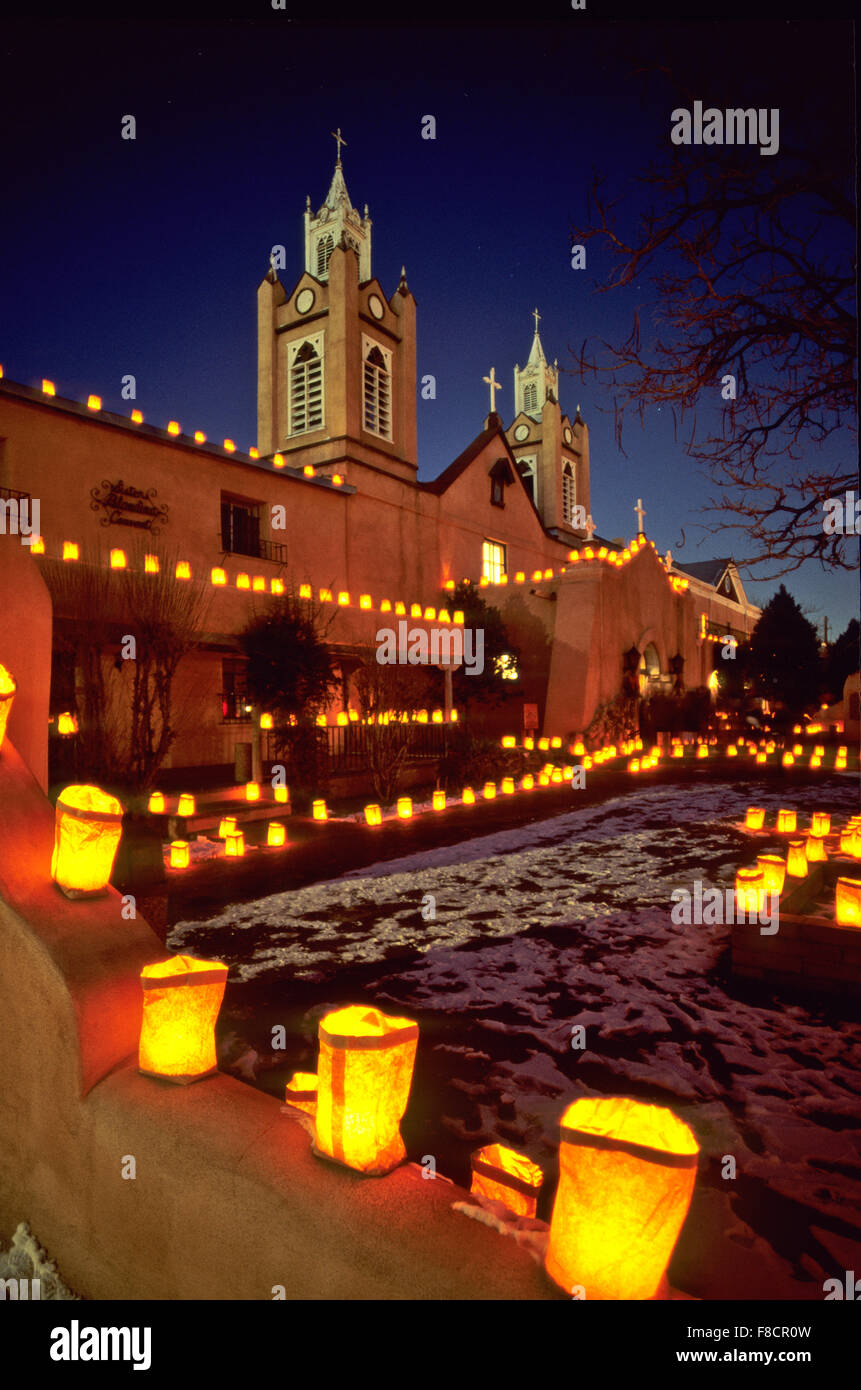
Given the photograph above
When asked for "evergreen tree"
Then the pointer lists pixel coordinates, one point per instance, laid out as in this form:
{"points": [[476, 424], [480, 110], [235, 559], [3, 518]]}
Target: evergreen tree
{"points": [[783, 656], [501, 659]]}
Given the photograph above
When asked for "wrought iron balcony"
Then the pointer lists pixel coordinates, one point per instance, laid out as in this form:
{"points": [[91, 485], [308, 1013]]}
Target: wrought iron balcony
{"points": [[256, 548]]}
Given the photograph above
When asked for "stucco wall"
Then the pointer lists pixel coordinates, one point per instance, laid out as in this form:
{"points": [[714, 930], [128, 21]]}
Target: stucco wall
{"points": [[25, 637], [228, 1200]]}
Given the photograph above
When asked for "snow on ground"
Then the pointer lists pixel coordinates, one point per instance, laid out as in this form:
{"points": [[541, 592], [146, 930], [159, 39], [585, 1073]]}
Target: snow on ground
{"points": [[566, 922]]}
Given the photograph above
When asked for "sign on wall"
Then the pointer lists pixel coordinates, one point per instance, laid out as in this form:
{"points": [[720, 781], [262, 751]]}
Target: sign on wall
{"points": [[124, 505], [530, 716]]}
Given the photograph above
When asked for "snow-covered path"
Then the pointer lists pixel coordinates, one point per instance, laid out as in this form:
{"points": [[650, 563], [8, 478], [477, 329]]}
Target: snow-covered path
{"points": [[566, 922]]}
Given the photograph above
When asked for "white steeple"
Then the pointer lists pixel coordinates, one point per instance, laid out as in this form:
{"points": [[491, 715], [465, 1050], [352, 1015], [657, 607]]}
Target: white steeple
{"points": [[336, 220], [533, 382]]}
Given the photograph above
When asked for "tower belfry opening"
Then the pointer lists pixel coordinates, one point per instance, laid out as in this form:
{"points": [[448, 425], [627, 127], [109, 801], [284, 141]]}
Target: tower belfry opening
{"points": [[336, 222]]}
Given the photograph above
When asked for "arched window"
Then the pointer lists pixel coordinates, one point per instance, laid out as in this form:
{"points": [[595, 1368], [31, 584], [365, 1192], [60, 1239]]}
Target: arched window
{"points": [[325, 247], [526, 469], [530, 397], [306, 390], [377, 381], [650, 667], [568, 494]]}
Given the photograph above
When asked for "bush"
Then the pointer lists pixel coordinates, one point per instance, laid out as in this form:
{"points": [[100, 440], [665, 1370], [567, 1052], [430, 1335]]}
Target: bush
{"points": [[471, 761]]}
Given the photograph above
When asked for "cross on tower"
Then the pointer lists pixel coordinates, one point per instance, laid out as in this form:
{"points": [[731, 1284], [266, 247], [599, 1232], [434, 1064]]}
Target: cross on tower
{"points": [[339, 140], [494, 387], [589, 528], [536, 316], [641, 512]]}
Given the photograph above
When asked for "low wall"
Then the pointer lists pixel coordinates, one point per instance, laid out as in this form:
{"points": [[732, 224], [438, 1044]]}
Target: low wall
{"points": [[806, 951], [228, 1200]]}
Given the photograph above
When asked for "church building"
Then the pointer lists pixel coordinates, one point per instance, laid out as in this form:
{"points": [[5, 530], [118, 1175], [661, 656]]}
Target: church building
{"points": [[327, 502]]}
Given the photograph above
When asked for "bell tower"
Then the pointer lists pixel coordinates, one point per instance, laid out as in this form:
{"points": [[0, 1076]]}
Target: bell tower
{"points": [[552, 451], [534, 382], [336, 221], [336, 355]]}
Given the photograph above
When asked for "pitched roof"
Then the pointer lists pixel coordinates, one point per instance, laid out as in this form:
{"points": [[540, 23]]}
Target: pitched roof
{"points": [[461, 463], [709, 571]]}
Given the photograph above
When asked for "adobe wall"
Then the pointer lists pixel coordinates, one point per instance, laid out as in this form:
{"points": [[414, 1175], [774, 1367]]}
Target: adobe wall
{"points": [[25, 636], [574, 629], [228, 1200]]}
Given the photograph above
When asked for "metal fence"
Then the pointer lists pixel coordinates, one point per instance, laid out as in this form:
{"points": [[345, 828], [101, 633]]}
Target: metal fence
{"points": [[348, 744]]}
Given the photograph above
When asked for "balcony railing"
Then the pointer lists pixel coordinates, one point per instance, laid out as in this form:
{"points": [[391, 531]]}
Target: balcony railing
{"points": [[260, 549], [11, 494]]}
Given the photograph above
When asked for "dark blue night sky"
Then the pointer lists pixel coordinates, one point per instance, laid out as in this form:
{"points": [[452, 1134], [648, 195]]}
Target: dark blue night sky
{"points": [[145, 256]]}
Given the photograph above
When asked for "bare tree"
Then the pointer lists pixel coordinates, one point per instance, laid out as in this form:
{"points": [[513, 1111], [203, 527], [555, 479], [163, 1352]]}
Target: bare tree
{"points": [[752, 262], [387, 694], [125, 690]]}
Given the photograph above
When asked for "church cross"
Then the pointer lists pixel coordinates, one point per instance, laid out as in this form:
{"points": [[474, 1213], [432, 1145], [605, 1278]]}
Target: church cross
{"points": [[589, 528], [536, 316], [339, 140], [494, 387], [641, 512]]}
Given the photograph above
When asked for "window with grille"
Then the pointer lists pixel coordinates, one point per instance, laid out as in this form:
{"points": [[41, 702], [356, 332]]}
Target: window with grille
{"points": [[530, 397], [306, 390], [568, 495], [325, 247], [378, 417], [492, 561], [240, 526]]}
